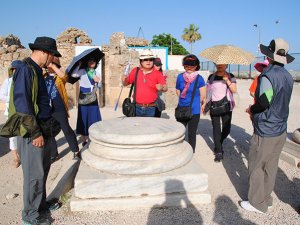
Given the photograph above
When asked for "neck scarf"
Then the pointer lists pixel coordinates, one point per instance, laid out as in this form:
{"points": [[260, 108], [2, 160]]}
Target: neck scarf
{"points": [[91, 73], [188, 79]]}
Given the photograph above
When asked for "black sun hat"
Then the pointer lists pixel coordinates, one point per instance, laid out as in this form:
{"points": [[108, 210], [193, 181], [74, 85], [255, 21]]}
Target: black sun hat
{"points": [[45, 44]]}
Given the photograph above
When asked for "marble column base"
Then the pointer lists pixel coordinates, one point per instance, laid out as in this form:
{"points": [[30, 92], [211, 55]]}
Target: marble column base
{"points": [[95, 190]]}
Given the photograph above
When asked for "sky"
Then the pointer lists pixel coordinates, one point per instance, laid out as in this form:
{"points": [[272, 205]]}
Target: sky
{"points": [[219, 21]]}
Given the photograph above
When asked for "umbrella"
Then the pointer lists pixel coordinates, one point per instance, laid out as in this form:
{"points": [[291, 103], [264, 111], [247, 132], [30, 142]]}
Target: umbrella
{"points": [[84, 56], [228, 54]]}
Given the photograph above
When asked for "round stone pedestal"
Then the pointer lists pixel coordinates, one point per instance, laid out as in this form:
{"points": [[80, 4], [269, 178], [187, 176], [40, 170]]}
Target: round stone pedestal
{"points": [[137, 145], [134, 163]]}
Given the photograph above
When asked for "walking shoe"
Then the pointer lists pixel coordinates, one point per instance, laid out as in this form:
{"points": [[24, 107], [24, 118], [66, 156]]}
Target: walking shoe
{"points": [[246, 205], [51, 206], [218, 157], [38, 221], [76, 155], [84, 143]]}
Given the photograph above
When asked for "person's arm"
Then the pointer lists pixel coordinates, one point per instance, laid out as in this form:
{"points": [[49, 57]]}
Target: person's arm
{"points": [[58, 72], [77, 72], [253, 87], [162, 85], [265, 97], [231, 83], [4, 93], [126, 80]]}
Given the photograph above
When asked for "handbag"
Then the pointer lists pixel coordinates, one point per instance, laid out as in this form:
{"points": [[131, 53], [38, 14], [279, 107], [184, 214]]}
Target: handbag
{"points": [[88, 97], [50, 127], [220, 108], [184, 113], [128, 107]]}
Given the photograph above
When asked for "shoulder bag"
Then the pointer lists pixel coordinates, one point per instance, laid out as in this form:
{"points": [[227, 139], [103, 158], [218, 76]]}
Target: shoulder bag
{"points": [[221, 107], [88, 97], [184, 113], [128, 107]]}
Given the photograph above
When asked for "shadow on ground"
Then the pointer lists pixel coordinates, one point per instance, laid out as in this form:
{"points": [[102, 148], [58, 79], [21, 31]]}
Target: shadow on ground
{"points": [[227, 212], [172, 211], [235, 153]]}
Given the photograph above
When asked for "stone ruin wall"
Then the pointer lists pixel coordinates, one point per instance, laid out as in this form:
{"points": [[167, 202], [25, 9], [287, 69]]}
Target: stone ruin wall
{"points": [[116, 58]]}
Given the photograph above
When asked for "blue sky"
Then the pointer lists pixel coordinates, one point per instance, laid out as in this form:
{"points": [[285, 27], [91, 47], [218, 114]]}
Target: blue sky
{"points": [[219, 22]]}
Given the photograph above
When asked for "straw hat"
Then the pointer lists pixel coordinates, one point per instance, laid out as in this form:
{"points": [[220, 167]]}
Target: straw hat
{"points": [[278, 51], [146, 54]]}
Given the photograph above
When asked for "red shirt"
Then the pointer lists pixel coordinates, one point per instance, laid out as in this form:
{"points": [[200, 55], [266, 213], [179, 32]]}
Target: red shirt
{"points": [[146, 85]]}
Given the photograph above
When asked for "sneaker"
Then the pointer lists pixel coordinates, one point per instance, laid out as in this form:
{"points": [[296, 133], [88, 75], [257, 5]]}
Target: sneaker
{"points": [[76, 155], [38, 221], [84, 143], [246, 205], [218, 157], [51, 206]]}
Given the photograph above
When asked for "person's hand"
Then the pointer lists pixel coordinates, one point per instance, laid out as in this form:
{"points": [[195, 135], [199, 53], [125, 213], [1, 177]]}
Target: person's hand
{"points": [[203, 108], [159, 87], [38, 142], [96, 79], [51, 66], [225, 77], [248, 110]]}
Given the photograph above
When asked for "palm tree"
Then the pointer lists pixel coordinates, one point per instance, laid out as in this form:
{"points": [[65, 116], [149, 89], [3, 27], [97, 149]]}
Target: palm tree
{"points": [[191, 35]]}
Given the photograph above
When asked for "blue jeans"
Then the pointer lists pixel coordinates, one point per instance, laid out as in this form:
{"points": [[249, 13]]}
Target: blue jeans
{"points": [[144, 111]]}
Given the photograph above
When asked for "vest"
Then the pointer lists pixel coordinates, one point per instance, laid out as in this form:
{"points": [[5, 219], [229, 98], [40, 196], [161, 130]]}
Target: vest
{"points": [[19, 124], [273, 121]]}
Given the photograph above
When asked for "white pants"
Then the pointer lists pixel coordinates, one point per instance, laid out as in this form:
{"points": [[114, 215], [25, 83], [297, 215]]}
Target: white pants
{"points": [[13, 143]]}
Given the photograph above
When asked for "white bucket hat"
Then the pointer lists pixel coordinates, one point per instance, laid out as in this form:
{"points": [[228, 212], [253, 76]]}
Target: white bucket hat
{"points": [[278, 51], [146, 54]]}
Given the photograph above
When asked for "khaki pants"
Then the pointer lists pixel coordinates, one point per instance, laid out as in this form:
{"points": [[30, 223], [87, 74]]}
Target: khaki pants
{"points": [[263, 164]]}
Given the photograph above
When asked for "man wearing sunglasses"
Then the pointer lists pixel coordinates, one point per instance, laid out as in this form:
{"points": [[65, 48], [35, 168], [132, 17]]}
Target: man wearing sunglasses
{"points": [[149, 82]]}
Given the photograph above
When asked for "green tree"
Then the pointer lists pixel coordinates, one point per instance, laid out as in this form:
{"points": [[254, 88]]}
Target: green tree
{"points": [[191, 35], [166, 40]]}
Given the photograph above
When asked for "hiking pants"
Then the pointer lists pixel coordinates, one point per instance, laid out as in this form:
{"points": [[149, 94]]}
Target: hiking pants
{"points": [[263, 164], [35, 165]]}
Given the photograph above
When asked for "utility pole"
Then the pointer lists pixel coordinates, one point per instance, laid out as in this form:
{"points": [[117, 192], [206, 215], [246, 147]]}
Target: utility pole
{"points": [[171, 44]]}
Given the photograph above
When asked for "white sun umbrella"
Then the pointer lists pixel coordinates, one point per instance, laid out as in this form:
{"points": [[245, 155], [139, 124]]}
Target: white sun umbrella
{"points": [[228, 54]]}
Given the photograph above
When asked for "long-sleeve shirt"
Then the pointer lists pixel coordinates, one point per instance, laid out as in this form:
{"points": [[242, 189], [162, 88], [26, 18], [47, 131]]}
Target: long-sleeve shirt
{"points": [[5, 92], [265, 94], [23, 82]]}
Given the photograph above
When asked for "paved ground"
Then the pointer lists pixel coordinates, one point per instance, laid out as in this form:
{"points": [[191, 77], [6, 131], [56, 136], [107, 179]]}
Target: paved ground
{"points": [[227, 180]]}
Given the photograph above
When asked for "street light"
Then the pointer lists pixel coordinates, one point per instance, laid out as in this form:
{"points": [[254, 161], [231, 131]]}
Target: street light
{"points": [[171, 44], [258, 47]]}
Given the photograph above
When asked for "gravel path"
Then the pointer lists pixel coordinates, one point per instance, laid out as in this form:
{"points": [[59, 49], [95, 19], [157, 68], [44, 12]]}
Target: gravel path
{"points": [[227, 180]]}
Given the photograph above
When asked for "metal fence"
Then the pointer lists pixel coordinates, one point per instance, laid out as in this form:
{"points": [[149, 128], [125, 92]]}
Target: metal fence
{"points": [[247, 72]]}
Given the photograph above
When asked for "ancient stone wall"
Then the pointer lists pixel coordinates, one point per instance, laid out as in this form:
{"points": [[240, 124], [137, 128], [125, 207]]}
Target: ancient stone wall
{"points": [[117, 55]]}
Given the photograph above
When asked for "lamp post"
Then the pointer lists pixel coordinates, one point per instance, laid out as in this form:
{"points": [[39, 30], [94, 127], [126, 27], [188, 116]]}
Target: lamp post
{"points": [[258, 47], [171, 44]]}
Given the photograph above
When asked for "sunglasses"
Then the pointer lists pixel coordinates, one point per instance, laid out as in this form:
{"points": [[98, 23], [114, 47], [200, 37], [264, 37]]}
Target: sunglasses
{"points": [[58, 66], [148, 60]]}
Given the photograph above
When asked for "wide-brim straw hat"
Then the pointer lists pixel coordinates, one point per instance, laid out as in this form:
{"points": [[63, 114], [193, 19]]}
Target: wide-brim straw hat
{"points": [[228, 54], [278, 51], [146, 54]]}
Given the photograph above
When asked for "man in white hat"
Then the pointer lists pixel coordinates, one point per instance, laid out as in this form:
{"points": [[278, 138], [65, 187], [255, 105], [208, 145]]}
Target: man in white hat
{"points": [[269, 114], [148, 83]]}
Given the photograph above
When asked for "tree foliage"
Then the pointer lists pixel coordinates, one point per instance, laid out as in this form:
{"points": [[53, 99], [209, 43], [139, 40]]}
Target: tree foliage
{"points": [[165, 40], [191, 35]]}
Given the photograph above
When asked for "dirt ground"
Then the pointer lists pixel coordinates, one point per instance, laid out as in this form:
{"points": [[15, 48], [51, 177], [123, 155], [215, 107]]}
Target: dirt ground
{"points": [[228, 181]]}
